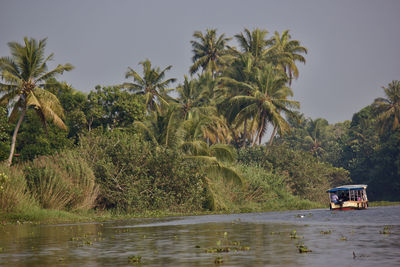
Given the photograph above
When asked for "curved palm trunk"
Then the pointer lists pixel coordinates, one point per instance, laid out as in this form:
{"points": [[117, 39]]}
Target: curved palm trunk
{"points": [[258, 136], [245, 133], [14, 137], [273, 135]]}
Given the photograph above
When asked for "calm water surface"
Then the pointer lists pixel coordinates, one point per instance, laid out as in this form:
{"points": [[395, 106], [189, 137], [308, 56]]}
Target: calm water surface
{"points": [[254, 239]]}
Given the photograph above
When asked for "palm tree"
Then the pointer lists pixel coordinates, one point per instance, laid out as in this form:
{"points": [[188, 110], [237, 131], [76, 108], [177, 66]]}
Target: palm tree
{"points": [[152, 84], [315, 130], [24, 75], [267, 99], [163, 128], [286, 53], [255, 43], [194, 98], [241, 71], [209, 51], [167, 129], [389, 108]]}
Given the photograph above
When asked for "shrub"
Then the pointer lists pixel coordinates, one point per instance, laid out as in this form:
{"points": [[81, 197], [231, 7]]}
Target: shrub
{"points": [[13, 191], [305, 175], [62, 181], [135, 176]]}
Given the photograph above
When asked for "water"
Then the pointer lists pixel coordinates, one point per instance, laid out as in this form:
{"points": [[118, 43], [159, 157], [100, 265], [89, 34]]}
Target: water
{"points": [[256, 239]]}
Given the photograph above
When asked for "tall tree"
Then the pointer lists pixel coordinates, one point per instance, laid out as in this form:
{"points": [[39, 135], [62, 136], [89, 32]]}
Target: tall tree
{"points": [[209, 51], [287, 52], [255, 43], [241, 71], [24, 75], [267, 99], [152, 84], [112, 107], [194, 98], [315, 134], [389, 108]]}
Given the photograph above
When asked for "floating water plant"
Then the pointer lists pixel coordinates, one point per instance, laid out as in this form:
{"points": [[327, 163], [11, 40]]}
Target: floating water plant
{"points": [[218, 260], [343, 238], [293, 235], [275, 233], [385, 230], [218, 250], [303, 249], [326, 232], [135, 259], [227, 247]]}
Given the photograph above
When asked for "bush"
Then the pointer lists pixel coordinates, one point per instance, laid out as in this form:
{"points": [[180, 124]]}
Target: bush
{"points": [[13, 191], [263, 191], [305, 175], [135, 176], [62, 181]]}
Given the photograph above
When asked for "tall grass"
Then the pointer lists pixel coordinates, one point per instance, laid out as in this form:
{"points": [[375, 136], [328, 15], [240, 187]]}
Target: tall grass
{"points": [[14, 196], [263, 191], [62, 182]]}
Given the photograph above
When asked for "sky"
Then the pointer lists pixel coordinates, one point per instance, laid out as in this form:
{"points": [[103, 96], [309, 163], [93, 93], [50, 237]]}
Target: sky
{"points": [[353, 46]]}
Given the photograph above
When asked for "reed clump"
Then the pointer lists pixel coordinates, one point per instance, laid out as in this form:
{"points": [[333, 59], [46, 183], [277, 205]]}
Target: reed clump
{"points": [[61, 182]]}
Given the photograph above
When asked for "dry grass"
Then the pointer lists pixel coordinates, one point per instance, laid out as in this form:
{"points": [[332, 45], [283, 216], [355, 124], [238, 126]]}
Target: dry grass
{"points": [[62, 182], [14, 195]]}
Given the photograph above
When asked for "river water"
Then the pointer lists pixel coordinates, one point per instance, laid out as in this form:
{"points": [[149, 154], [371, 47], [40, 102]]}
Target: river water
{"points": [[336, 238]]}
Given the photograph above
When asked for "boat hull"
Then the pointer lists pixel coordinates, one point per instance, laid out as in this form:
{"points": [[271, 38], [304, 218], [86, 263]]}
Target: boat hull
{"points": [[349, 205]]}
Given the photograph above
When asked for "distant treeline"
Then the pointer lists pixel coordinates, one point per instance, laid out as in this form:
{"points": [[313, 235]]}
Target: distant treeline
{"points": [[134, 147]]}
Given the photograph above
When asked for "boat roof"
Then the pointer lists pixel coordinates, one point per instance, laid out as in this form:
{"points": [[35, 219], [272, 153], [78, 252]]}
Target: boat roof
{"points": [[348, 187]]}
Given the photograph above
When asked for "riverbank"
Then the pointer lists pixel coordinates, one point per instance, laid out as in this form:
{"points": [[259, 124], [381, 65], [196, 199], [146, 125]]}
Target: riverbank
{"points": [[45, 216]]}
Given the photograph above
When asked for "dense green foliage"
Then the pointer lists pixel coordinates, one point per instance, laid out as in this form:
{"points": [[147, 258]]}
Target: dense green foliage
{"points": [[4, 134], [135, 176], [304, 174], [142, 146], [373, 158]]}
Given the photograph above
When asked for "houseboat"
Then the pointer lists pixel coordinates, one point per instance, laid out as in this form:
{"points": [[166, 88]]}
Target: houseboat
{"points": [[348, 197]]}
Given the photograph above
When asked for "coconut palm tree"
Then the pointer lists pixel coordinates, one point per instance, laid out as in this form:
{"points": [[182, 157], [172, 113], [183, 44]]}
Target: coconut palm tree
{"points": [[286, 52], [163, 128], [24, 75], [169, 130], [268, 97], [241, 71], [315, 132], [255, 43], [209, 51], [194, 97], [152, 84], [389, 108]]}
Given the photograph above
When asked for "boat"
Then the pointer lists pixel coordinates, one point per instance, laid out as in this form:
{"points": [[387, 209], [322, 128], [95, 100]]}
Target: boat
{"points": [[348, 197]]}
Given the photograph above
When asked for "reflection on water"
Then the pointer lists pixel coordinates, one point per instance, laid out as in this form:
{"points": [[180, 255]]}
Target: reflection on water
{"points": [[373, 235]]}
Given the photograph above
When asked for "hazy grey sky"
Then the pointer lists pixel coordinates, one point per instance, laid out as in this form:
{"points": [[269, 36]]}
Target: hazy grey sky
{"points": [[354, 46]]}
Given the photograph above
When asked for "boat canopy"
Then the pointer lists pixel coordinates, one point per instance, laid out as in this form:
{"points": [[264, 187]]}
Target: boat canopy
{"points": [[348, 187]]}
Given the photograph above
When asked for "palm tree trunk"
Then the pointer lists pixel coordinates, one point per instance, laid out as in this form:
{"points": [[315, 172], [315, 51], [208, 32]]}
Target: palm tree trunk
{"points": [[258, 137], [273, 135], [14, 137], [244, 133]]}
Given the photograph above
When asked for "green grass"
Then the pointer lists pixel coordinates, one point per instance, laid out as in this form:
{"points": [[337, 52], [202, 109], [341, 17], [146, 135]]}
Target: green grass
{"points": [[383, 203], [262, 191]]}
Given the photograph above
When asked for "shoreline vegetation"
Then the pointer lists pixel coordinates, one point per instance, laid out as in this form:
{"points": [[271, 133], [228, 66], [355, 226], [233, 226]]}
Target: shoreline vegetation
{"points": [[41, 216], [142, 148]]}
